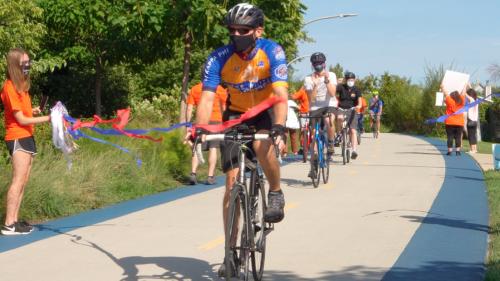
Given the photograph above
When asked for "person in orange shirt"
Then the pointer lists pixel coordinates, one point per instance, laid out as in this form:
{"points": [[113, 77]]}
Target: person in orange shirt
{"points": [[19, 126], [216, 117], [361, 114], [454, 124], [301, 97]]}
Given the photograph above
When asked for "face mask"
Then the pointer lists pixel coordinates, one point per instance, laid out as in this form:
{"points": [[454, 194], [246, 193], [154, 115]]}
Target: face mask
{"points": [[242, 43], [350, 83], [318, 68], [25, 68]]}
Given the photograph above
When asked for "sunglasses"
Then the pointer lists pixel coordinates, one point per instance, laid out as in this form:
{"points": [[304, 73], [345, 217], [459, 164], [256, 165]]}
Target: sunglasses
{"points": [[26, 62], [240, 30]]}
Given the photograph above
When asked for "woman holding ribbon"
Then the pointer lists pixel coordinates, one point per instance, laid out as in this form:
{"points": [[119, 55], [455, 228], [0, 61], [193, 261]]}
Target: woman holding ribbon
{"points": [[19, 125]]}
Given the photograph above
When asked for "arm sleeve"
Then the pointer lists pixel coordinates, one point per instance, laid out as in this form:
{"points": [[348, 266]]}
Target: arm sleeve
{"points": [[308, 84], [213, 68], [333, 78]]}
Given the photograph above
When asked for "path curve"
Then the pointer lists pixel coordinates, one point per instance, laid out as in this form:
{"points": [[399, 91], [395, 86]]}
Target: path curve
{"points": [[401, 211]]}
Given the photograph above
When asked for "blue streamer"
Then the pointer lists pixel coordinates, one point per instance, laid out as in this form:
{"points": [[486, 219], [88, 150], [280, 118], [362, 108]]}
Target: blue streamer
{"points": [[76, 134], [442, 118]]}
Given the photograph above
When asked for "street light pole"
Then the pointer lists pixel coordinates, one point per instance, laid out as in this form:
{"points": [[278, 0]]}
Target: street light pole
{"points": [[330, 17], [297, 58]]}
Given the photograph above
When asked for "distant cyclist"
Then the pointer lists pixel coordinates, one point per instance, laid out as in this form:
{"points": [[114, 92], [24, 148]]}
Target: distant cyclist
{"points": [[349, 96], [321, 88], [376, 108]]}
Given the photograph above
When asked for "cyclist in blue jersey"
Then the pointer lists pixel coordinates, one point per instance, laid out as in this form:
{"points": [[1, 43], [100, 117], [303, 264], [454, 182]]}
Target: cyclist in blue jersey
{"points": [[253, 69]]}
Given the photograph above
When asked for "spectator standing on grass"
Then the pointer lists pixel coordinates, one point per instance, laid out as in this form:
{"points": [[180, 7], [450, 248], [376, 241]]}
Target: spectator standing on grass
{"points": [[19, 127], [472, 120], [218, 107], [454, 123]]}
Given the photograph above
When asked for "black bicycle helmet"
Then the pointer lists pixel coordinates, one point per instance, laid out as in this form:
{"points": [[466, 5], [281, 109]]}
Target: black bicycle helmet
{"points": [[245, 14], [349, 75], [318, 57]]}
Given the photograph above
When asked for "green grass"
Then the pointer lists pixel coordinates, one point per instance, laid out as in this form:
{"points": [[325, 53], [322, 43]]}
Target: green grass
{"points": [[492, 179], [101, 175]]}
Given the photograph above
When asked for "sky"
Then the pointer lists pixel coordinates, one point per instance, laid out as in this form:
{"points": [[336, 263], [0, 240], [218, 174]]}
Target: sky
{"points": [[403, 37]]}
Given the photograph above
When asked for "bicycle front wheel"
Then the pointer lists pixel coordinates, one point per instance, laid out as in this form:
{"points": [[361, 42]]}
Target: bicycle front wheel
{"points": [[325, 165], [258, 253], [236, 251]]}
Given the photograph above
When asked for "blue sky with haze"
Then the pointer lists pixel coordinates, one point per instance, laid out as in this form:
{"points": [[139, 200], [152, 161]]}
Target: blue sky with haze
{"points": [[403, 36]]}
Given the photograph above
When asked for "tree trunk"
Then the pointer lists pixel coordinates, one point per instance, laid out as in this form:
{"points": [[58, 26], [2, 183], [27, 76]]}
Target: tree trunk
{"points": [[185, 77], [98, 82]]}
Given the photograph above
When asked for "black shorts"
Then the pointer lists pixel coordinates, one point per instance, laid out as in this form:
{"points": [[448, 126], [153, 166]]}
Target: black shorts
{"points": [[26, 144], [230, 150]]}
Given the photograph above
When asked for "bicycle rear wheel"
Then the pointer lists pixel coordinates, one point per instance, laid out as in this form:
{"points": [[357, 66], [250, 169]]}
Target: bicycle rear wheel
{"points": [[258, 207], [236, 251]]}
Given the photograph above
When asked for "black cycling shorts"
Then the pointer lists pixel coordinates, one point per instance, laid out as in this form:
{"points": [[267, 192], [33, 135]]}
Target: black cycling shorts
{"points": [[26, 144], [230, 150]]}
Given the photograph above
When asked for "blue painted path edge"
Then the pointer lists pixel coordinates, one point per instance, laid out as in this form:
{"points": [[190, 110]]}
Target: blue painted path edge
{"points": [[452, 240], [64, 225]]}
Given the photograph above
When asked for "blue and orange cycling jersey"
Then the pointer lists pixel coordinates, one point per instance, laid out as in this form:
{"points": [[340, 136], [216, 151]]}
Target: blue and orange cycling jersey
{"points": [[250, 80]]}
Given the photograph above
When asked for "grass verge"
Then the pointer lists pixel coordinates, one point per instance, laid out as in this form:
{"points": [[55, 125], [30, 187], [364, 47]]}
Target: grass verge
{"points": [[101, 175], [492, 179]]}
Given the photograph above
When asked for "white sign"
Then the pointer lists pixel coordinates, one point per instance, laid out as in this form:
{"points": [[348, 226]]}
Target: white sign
{"points": [[455, 81], [439, 99], [488, 93]]}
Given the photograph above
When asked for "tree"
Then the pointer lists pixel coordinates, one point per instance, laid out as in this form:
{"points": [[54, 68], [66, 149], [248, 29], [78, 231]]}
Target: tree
{"points": [[196, 19], [103, 33], [21, 26], [338, 70]]}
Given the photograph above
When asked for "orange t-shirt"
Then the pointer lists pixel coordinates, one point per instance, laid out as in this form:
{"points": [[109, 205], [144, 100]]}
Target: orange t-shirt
{"points": [[14, 101], [301, 97], [452, 107], [364, 105], [220, 99]]}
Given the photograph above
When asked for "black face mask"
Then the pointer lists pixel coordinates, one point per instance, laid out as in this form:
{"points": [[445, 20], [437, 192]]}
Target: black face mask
{"points": [[242, 43], [318, 68], [25, 68]]}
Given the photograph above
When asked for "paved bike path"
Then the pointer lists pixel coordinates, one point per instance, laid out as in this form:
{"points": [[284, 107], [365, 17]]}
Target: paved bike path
{"points": [[401, 211]]}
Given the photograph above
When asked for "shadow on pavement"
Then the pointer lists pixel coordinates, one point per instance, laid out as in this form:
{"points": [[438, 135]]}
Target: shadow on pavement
{"points": [[457, 223], [297, 183], [176, 268]]}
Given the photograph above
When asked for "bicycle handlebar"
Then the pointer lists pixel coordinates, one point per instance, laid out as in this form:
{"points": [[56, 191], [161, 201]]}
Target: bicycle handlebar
{"points": [[238, 137]]}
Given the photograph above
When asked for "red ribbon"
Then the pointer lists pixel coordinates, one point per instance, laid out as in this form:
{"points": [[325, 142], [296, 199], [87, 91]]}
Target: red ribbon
{"points": [[118, 123], [251, 113]]}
